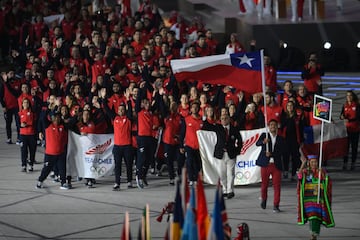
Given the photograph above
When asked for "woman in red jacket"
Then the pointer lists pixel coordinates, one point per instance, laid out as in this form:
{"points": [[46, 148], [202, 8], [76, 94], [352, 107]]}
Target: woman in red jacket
{"points": [[350, 112], [86, 126], [27, 134]]}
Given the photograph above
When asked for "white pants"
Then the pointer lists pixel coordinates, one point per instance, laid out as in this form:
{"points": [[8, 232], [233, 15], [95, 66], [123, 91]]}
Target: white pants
{"points": [[249, 6], [226, 173]]}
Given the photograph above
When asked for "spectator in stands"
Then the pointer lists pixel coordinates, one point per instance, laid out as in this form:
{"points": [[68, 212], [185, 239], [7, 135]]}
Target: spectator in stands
{"points": [[311, 74], [234, 46], [211, 41], [270, 75], [297, 7]]}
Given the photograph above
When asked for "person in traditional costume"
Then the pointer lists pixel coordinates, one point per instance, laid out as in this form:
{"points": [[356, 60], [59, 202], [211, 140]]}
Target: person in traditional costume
{"points": [[313, 208]]}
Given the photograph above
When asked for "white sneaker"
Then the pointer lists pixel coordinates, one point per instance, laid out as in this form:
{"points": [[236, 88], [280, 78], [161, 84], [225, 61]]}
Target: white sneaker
{"points": [[139, 183], [116, 187], [39, 185], [65, 186]]}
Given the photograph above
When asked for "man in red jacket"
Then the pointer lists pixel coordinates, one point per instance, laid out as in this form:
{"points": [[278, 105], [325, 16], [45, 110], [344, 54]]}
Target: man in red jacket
{"points": [[9, 102], [56, 140], [190, 143]]}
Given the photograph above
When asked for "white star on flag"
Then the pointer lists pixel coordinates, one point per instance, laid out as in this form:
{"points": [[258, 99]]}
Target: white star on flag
{"points": [[245, 59]]}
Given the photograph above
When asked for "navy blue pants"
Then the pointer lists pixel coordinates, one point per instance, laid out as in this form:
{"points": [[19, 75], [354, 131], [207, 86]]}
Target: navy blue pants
{"points": [[49, 162], [171, 154], [120, 153], [28, 146], [8, 115], [144, 155], [193, 163]]}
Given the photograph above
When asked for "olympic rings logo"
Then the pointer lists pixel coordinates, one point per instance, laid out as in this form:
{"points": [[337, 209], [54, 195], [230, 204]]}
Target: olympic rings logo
{"points": [[98, 170], [243, 176]]}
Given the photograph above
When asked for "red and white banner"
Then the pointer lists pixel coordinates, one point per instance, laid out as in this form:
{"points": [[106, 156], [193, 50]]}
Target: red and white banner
{"points": [[246, 171], [90, 156]]}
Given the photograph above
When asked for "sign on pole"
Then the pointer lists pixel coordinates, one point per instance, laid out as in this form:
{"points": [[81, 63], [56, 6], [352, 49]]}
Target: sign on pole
{"points": [[322, 112], [322, 108]]}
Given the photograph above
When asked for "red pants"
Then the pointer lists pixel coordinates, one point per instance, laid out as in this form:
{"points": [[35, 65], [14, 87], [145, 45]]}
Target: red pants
{"points": [[276, 180], [300, 8]]}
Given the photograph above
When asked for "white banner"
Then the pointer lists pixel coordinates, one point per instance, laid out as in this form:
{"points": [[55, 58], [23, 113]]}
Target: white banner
{"points": [[246, 171], [90, 156]]}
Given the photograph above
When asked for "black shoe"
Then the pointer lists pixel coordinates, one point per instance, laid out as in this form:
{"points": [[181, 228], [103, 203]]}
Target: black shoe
{"points": [[31, 169], [344, 167], [39, 185], [263, 204], [23, 169], [145, 181], [225, 195], [276, 209], [116, 187], [352, 168], [172, 182], [230, 195]]}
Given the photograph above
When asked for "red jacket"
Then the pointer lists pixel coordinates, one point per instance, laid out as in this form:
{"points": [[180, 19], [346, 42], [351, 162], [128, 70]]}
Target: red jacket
{"points": [[56, 139], [145, 123], [172, 129], [122, 131], [192, 124], [28, 117], [350, 112]]}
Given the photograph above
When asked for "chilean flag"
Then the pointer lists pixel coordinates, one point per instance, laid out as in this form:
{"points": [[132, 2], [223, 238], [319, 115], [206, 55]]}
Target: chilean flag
{"points": [[335, 142], [240, 70]]}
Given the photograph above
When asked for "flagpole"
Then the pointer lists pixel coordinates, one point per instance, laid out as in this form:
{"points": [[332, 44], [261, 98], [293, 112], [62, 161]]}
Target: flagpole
{"points": [[320, 159], [264, 92]]}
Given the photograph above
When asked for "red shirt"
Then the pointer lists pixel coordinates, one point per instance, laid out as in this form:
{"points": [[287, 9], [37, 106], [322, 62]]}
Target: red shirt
{"points": [[250, 121], [270, 78], [87, 127], [56, 139], [27, 116], [98, 68], [122, 131], [115, 100], [273, 112], [172, 129], [192, 125], [352, 125], [184, 112], [9, 99], [311, 83], [145, 123], [68, 29], [22, 97]]}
